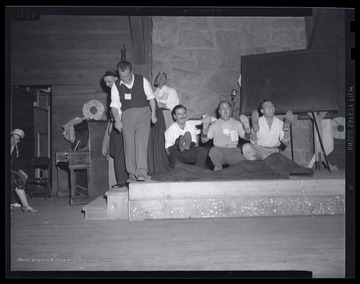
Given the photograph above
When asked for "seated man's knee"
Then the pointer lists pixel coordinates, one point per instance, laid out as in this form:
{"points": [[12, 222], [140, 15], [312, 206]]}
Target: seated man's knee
{"points": [[216, 156], [202, 151], [249, 152], [214, 152]]}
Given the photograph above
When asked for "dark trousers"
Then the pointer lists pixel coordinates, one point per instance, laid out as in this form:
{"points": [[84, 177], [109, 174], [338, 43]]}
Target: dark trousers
{"points": [[195, 155], [117, 152]]}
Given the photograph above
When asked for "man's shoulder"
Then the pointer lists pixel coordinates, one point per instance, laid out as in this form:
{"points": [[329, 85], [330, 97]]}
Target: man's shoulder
{"points": [[233, 120], [277, 118], [140, 77], [170, 128]]}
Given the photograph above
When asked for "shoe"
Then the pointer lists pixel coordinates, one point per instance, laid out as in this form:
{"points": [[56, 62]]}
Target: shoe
{"points": [[187, 137], [245, 121], [118, 185], [28, 209], [131, 178], [15, 204], [255, 120], [288, 120], [217, 168], [181, 143], [140, 178], [206, 122]]}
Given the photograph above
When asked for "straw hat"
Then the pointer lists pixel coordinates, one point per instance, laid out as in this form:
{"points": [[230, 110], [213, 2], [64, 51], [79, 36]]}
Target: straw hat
{"points": [[18, 132]]}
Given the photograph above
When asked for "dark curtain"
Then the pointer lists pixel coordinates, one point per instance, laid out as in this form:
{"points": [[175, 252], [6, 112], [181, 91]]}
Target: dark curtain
{"points": [[157, 158]]}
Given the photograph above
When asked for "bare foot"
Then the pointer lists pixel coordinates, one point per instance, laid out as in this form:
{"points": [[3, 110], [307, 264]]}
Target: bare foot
{"points": [[288, 120], [255, 120], [245, 121]]}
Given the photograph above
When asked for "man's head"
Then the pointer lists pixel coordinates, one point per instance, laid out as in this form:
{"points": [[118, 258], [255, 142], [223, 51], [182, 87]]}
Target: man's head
{"points": [[267, 108], [16, 136], [125, 71], [160, 79], [179, 114], [224, 110], [110, 77]]}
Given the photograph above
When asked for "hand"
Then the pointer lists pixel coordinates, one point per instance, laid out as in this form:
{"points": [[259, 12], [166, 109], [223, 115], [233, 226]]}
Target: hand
{"points": [[118, 125], [161, 105], [153, 118], [104, 152]]}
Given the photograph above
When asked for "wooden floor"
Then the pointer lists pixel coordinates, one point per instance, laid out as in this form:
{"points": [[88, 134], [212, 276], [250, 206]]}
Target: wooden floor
{"points": [[59, 239]]}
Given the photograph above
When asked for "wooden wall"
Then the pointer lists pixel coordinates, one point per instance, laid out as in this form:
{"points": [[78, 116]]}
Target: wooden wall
{"points": [[22, 116], [70, 53]]}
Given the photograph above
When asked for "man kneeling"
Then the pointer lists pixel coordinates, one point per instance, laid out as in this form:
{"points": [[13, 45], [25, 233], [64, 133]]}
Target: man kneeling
{"points": [[180, 141]]}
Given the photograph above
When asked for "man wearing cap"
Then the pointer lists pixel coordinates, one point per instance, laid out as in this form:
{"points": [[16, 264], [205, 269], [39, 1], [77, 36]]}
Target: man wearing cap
{"points": [[113, 142], [18, 177], [130, 100]]}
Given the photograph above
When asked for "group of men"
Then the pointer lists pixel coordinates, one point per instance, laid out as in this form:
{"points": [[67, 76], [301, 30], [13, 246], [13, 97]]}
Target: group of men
{"points": [[133, 104], [265, 136]]}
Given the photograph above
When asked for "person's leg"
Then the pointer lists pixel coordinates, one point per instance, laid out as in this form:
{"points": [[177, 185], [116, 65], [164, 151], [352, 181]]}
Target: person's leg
{"points": [[119, 159], [142, 130], [217, 158], [187, 137], [262, 153], [233, 156], [288, 120], [255, 120], [22, 196], [176, 158], [129, 120], [249, 151], [245, 122], [197, 156], [15, 202], [111, 172]]}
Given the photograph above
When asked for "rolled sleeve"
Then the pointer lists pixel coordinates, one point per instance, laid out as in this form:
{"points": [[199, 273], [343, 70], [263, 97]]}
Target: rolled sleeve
{"points": [[115, 99], [147, 89]]}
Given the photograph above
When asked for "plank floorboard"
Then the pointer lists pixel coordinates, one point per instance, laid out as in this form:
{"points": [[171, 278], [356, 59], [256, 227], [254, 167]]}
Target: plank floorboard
{"points": [[58, 238]]}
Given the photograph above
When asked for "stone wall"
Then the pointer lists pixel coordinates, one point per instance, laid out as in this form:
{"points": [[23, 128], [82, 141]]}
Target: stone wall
{"points": [[202, 58]]}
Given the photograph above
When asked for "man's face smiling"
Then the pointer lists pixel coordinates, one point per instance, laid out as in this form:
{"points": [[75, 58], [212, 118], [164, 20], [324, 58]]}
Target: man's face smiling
{"points": [[109, 80], [180, 116], [268, 109]]}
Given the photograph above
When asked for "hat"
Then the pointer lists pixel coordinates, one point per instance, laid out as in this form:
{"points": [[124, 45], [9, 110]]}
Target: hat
{"points": [[110, 73], [18, 132]]}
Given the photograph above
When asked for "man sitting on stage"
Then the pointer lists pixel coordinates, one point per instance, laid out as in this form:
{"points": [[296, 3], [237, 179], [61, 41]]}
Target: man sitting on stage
{"points": [[181, 143], [268, 132]]}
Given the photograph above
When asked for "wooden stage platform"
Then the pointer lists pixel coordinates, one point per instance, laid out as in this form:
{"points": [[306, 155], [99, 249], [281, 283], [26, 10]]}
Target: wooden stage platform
{"points": [[57, 242], [322, 194]]}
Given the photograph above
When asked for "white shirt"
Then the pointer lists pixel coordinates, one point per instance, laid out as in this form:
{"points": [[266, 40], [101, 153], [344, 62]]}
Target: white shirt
{"points": [[167, 96], [115, 97], [174, 131], [226, 133], [270, 137]]}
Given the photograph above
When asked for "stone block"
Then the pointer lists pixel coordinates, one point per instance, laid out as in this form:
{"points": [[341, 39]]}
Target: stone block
{"points": [[195, 39], [96, 209], [117, 203], [245, 198], [239, 207], [227, 39]]}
